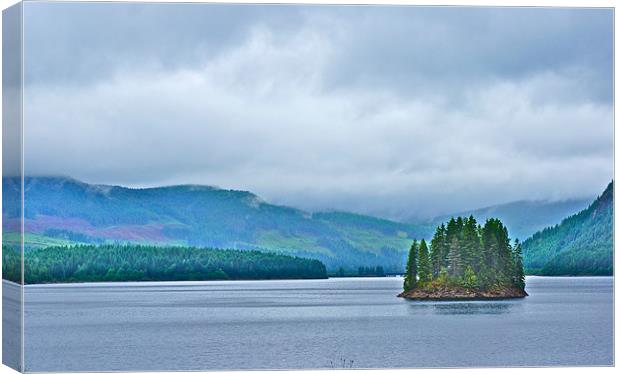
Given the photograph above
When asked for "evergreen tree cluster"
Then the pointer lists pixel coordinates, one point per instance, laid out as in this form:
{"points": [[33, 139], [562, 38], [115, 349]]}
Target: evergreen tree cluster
{"points": [[464, 253], [119, 263]]}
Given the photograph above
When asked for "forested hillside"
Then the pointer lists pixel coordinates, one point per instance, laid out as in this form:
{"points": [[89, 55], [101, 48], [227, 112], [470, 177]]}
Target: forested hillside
{"points": [[581, 244], [121, 263], [64, 211]]}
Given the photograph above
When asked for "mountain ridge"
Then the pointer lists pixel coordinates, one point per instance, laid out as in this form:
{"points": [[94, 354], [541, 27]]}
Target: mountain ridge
{"points": [[62, 210], [581, 244], [524, 217]]}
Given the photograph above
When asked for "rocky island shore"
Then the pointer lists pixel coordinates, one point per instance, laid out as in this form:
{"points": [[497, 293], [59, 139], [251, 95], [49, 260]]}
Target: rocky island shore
{"points": [[461, 293]]}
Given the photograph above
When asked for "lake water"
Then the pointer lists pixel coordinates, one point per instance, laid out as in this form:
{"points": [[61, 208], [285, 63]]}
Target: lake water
{"points": [[350, 322]]}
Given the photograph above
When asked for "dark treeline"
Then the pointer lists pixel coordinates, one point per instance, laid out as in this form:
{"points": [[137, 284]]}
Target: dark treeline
{"points": [[91, 263], [371, 271], [466, 254], [362, 271]]}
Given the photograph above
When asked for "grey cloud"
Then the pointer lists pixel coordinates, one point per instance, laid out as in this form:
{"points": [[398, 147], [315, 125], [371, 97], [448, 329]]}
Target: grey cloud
{"points": [[81, 43], [413, 50], [391, 111], [430, 51]]}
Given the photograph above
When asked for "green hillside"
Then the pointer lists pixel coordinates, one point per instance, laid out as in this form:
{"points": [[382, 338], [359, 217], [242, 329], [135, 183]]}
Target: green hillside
{"points": [[62, 211], [581, 244]]}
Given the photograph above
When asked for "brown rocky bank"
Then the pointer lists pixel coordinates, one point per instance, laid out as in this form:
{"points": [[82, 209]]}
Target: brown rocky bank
{"points": [[461, 293]]}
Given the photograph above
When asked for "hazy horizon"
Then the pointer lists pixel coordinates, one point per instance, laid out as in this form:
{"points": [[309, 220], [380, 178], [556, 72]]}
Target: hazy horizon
{"points": [[411, 218], [390, 111]]}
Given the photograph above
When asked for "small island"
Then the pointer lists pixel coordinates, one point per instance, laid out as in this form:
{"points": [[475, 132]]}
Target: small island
{"points": [[465, 261]]}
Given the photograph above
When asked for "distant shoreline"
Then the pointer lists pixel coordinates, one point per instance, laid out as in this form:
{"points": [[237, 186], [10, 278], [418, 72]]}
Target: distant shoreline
{"points": [[162, 281], [273, 280]]}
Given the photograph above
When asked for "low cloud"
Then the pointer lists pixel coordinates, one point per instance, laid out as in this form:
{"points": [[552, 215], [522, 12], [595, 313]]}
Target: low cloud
{"points": [[300, 119]]}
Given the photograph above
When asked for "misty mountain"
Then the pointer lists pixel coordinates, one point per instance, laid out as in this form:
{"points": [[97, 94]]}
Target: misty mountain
{"points": [[523, 218], [64, 211], [581, 244], [60, 211]]}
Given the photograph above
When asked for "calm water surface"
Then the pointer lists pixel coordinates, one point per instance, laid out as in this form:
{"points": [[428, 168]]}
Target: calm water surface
{"points": [[311, 324]]}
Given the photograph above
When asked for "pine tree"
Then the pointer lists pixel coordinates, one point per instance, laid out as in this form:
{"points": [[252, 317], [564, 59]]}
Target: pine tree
{"points": [[502, 253], [518, 273], [438, 244], [455, 263], [452, 232], [411, 271], [425, 270], [489, 254], [471, 242]]}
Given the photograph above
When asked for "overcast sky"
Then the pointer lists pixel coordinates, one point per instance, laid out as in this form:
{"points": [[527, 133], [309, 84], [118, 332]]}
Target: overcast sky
{"points": [[393, 111]]}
